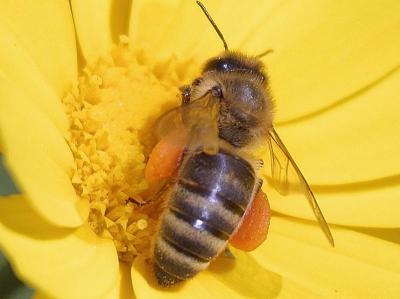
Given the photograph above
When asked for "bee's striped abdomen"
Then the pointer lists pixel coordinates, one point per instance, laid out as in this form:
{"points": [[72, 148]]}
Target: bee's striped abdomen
{"points": [[205, 207]]}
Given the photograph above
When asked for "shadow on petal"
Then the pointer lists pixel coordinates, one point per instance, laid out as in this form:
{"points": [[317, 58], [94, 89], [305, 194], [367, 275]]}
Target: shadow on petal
{"points": [[37, 228], [125, 282], [119, 18], [246, 276], [388, 234], [241, 277], [123, 286], [98, 25], [383, 182]]}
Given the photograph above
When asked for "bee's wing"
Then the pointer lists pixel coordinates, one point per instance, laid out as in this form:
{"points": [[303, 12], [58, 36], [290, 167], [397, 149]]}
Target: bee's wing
{"points": [[168, 122], [286, 177], [199, 119]]}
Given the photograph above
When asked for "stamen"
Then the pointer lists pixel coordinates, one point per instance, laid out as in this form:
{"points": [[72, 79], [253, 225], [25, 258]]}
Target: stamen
{"points": [[112, 110]]}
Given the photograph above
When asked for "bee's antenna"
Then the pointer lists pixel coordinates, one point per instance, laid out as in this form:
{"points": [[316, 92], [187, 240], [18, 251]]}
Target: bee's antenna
{"points": [[203, 8], [269, 51]]}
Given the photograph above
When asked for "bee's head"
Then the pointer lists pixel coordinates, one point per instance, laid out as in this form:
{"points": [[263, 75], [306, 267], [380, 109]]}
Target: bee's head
{"points": [[234, 62], [238, 83]]}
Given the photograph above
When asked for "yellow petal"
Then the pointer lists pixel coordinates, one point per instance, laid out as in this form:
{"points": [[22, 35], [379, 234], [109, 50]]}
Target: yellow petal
{"points": [[98, 24], [39, 158], [349, 156], [345, 143], [326, 51], [241, 277], [323, 51], [351, 143], [122, 288], [360, 266], [165, 28], [18, 67], [60, 262], [45, 31], [372, 207], [179, 20]]}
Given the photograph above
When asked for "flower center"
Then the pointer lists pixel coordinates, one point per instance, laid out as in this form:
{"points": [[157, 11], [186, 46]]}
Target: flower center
{"points": [[112, 110]]}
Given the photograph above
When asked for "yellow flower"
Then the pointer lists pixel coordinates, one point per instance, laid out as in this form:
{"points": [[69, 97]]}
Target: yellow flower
{"points": [[335, 78]]}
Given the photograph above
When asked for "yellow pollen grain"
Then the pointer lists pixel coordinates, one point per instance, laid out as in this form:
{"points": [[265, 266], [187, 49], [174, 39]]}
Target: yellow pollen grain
{"points": [[142, 224], [112, 110]]}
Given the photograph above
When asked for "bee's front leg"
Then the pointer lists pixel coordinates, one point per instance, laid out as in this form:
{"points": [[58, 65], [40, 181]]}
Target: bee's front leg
{"points": [[186, 92]]}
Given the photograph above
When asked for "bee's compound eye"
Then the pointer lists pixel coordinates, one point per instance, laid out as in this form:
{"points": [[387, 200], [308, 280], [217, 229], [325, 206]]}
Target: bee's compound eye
{"points": [[216, 92], [197, 81]]}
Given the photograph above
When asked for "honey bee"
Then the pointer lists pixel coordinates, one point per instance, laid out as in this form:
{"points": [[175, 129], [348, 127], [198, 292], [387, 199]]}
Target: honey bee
{"points": [[226, 112]]}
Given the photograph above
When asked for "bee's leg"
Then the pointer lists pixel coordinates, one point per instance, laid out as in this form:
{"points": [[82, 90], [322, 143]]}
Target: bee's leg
{"points": [[186, 92], [228, 253], [259, 164], [161, 188], [137, 201], [155, 194], [259, 185]]}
